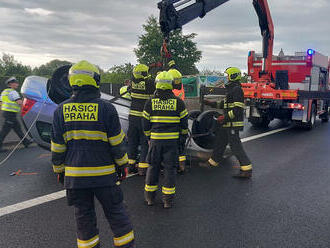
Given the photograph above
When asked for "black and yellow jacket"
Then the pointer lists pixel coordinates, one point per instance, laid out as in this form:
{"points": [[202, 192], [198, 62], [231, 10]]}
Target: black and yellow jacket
{"points": [[141, 91], [87, 141], [165, 117], [233, 106]]}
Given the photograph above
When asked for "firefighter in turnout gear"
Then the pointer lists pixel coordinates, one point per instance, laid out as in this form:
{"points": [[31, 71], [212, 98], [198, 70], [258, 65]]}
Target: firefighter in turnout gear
{"points": [[88, 153], [230, 124], [11, 105], [179, 92], [142, 89], [165, 124]]}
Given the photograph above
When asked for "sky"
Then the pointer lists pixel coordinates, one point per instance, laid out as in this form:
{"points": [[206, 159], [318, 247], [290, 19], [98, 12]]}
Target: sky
{"points": [[105, 32]]}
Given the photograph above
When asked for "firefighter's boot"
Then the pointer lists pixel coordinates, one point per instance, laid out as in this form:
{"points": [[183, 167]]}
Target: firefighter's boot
{"points": [[168, 201], [182, 167], [243, 174], [142, 171], [150, 198]]}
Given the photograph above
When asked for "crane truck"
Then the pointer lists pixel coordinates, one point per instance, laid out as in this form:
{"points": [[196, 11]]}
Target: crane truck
{"points": [[288, 87]]}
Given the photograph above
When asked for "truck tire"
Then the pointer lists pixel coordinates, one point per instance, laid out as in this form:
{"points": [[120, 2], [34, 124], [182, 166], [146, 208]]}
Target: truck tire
{"points": [[325, 116], [259, 122], [311, 123]]}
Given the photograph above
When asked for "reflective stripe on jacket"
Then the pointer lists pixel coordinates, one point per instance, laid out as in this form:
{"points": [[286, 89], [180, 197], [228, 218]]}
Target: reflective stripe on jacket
{"points": [[165, 117], [233, 106], [87, 143], [7, 104]]}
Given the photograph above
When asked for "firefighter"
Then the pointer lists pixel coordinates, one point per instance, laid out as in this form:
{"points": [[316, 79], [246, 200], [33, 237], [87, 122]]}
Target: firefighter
{"points": [[124, 92], [89, 157], [179, 92], [142, 88], [230, 124], [165, 123], [11, 105]]}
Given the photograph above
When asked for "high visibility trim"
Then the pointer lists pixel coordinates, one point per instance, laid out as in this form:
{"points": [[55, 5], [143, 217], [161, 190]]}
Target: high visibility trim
{"points": [[182, 158], [7, 104], [231, 114], [131, 161], [116, 140], [85, 134], [124, 240], [140, 96], [151, 188], [184, 113], [171, 63], [163, 81], [146, 115], [184, 131], [90, 171], [122, 161], [143, 165], [234, 124], [246, 167], [239, 104], [168, 191], [165, 119], [147, 133], [59, 148], [88, 243], [174, 135], [136, 113], [212, 162], [58, 168]]}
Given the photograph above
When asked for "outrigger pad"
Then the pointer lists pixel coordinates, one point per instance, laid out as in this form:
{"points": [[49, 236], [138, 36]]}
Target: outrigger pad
{"points": [[58, 85]]}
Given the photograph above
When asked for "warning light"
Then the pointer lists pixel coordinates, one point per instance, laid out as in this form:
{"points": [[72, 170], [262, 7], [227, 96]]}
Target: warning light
{"points": [[310, 51]]}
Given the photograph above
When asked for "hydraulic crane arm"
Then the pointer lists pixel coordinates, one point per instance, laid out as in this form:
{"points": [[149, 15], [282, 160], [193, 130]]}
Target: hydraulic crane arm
{"points": [[267, 32], [170, 18]]}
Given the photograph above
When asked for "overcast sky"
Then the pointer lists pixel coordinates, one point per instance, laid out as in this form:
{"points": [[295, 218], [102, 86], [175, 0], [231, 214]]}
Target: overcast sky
{"points": [[105, 32]]}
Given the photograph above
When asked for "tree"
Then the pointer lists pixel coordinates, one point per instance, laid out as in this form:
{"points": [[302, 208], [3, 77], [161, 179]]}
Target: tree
{"points": [[47, 70], [10, 67], [184, 51], [117, 74]]}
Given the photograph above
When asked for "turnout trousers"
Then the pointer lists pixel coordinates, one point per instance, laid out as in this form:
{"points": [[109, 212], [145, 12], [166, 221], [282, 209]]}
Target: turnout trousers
{"points": [[111, 199], [162, 153], [231, 136], [11, 122], [137, 138]]}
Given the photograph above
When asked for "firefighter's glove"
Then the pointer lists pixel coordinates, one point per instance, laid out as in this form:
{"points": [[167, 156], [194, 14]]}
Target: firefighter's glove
{"points": [[221, 119], [60, 178], [121, 172]]}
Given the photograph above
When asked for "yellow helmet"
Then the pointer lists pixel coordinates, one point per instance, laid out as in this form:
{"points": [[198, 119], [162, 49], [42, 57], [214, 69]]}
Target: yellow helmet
{"points": [[234, 74], [140, 71], [177, 76], [84, 73], [164, 81]]}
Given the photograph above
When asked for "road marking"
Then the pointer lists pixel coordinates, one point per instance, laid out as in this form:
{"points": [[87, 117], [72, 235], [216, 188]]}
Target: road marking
{"points": [[258, 136], [35, 202], [60, 194]]}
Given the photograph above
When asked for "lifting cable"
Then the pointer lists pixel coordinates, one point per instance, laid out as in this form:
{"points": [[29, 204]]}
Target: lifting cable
{"points": [[27, 132]]}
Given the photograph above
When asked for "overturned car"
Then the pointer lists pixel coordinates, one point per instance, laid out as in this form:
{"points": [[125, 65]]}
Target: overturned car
{"points": [[42, 95]]}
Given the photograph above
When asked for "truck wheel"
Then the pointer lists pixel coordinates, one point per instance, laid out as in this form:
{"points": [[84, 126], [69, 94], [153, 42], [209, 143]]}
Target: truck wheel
{"points": [[325, 116], [259, 122], [311, 123]]}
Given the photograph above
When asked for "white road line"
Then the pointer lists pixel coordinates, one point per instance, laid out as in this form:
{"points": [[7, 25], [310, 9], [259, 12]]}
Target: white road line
{"points": [[258, 136], [60, 194]]}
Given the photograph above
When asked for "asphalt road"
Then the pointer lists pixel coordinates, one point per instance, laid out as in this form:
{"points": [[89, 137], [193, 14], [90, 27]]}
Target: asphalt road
{"points": [[286, 204]]}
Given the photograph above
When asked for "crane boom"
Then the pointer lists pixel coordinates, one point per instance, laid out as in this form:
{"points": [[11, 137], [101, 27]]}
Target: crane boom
{"points": [[267, 32], [170, 18]]}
